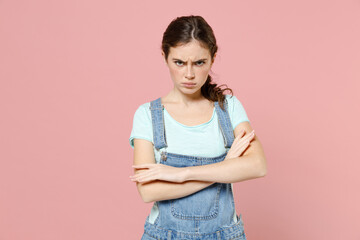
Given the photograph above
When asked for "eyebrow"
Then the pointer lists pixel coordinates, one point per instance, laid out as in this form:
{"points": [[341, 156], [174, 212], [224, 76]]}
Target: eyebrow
{"points": [[203, 59]]}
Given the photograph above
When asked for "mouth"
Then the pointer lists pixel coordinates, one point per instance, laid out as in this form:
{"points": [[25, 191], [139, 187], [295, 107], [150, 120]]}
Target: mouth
{"points": [[188, 84]]}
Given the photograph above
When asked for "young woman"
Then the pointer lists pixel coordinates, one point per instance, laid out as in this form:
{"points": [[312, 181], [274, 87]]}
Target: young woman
{"points": [[191, 145]]}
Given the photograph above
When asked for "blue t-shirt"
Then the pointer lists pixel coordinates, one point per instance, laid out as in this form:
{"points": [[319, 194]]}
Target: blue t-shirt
{"points": [[200, 140], [204, 139]]}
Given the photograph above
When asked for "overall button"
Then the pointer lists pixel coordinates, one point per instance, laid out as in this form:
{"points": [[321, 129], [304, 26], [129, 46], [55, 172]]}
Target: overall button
{"points": [[163, 156]]}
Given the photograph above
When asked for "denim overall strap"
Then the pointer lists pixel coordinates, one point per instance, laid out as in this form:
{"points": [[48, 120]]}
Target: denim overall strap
{"points": [[225, 123], [157, 116]]}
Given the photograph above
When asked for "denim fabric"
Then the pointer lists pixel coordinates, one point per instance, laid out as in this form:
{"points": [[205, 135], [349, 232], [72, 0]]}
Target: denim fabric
{"points": [[206, 214]]}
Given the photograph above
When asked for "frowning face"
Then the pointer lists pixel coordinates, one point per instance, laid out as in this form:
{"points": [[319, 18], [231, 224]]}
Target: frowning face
{"points": [[189, 66]]}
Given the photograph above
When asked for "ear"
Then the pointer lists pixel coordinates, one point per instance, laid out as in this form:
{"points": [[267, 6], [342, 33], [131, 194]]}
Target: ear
{"points": [[163, 54], [213, 59]]}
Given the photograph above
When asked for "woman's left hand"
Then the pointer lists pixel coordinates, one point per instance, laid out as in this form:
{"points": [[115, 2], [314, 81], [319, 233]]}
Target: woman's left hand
{"points": [[160, 172]]}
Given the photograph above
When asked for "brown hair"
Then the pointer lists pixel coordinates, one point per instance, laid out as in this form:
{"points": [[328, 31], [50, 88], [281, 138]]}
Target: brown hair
{"points": [[183, 30]]}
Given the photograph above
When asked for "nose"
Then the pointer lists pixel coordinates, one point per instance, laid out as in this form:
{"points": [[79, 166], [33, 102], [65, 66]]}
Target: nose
{"points": [[190, 72]]}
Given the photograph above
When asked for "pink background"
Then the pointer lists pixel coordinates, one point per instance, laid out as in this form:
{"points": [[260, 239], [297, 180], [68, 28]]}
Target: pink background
{"points": [[73, 73]]}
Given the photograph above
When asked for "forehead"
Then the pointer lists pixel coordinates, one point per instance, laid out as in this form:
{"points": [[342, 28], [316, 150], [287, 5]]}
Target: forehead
{"points": [[191, 50]]}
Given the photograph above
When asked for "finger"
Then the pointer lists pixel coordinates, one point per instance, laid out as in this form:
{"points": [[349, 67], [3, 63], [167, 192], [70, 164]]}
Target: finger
{"points": [[142, 165], [246, 145], [238, 137], [241, 133], [143, 179], [138, 175], [142, 175], [135, 179], [248, 136], [135, 176], [251, 137], [240, 147]]}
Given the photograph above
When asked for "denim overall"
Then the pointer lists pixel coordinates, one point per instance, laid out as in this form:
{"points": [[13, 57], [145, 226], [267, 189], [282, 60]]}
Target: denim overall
{"points": [[205, 214]]}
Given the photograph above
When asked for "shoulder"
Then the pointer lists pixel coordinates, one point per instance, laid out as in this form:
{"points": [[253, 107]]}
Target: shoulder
{"points": [[236, 110], [229, 97], [142, 115], [142, 124], [230, 100], [143, 110]]}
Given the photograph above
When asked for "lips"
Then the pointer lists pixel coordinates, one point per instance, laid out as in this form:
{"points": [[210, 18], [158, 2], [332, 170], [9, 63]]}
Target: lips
{"points": [[189, 85]]}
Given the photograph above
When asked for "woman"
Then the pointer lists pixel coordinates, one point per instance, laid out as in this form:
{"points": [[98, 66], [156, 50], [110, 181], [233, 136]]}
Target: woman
{"points": [[184, 162]]}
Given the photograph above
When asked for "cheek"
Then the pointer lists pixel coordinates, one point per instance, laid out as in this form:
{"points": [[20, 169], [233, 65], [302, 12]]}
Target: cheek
{"points": [[203, 71], [176, 72]]}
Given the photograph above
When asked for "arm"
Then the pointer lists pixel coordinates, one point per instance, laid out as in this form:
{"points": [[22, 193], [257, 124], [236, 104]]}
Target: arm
{"points": [[252, 164], [160, 190]]}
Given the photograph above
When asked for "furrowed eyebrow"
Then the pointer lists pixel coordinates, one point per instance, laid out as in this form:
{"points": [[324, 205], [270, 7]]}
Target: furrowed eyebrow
{"points": [[176, 59]]}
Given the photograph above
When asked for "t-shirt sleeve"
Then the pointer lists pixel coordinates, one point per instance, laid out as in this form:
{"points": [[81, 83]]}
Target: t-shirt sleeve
{"points": [[236, 111], [142, 125]]}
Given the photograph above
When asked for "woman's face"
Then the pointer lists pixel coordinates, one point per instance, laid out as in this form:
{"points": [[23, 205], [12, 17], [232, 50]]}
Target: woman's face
{"points": [[189, 66]]}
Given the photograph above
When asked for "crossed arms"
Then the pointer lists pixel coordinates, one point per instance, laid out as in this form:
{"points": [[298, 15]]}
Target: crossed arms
{"points": [[185, 181]]}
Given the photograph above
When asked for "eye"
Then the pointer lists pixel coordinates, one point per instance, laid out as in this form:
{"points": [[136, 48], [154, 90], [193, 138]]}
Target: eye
{"points": [[178, 62], [202, 62]]}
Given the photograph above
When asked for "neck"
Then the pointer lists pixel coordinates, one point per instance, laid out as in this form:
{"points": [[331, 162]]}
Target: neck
{"points": [[185, 99]]}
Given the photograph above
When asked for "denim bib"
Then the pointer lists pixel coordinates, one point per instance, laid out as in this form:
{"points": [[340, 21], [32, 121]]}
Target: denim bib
{"points": [[205, 214]]}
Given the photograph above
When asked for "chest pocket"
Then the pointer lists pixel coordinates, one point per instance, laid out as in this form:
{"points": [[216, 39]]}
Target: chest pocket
{"points": [[201, 205]]}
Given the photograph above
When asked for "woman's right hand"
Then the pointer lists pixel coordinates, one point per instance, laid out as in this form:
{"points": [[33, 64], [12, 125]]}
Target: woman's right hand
{"points": [[240, 144]]}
